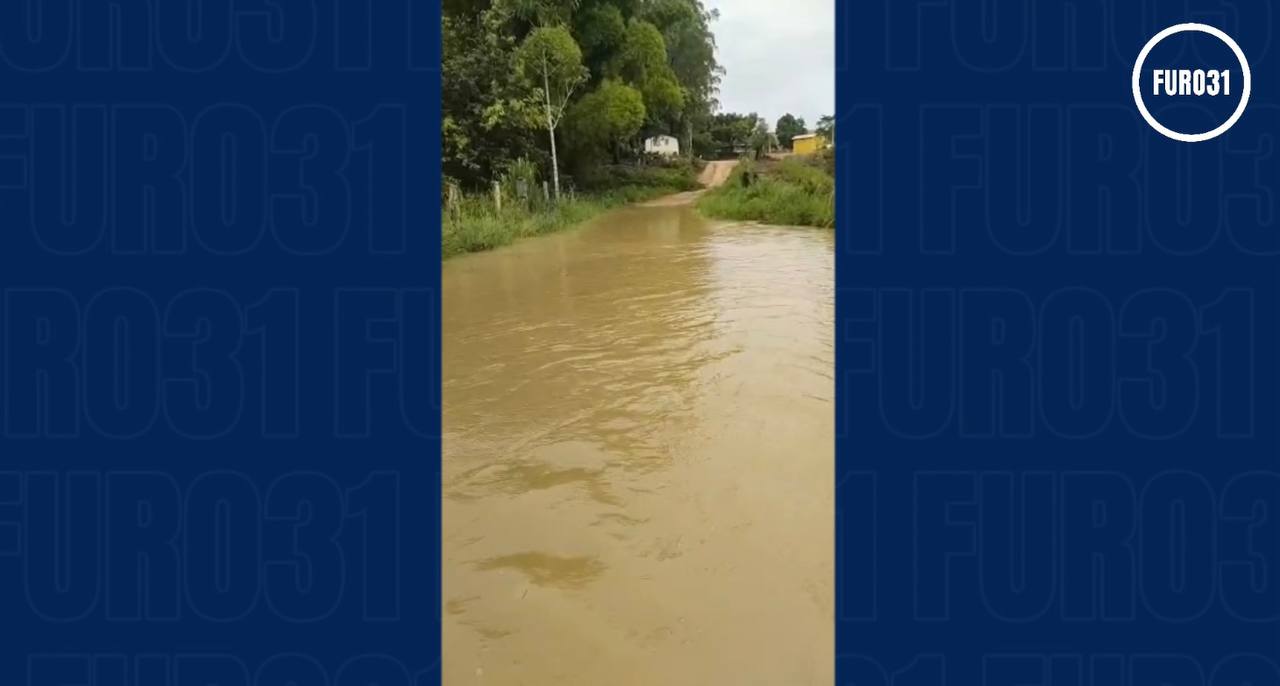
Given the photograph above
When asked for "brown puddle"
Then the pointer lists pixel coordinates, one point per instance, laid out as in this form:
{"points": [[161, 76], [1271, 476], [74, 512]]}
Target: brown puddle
{"points": [[638, 456]]}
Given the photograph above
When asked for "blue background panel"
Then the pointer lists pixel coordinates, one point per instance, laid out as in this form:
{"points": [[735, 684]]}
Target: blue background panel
{"points": [[1057, 351], [220, 407]]}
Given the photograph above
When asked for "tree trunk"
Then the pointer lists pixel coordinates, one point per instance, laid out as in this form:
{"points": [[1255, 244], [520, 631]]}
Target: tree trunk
{"points": [[688, 138], [551, 128]]}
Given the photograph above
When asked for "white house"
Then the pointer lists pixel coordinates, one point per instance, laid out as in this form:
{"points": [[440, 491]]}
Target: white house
{"points": [[667, 146]]}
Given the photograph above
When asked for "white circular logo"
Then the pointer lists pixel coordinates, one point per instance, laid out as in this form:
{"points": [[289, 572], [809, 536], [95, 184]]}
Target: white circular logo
{"points": [[1177, 135]]}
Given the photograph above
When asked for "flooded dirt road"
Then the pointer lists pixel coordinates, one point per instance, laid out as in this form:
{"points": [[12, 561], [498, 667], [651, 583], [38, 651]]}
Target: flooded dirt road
{"points": [[716, 172], [638, 456]]}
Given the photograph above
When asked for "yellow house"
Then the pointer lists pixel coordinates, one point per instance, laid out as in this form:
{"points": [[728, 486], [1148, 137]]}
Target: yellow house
{"points": [[807, 144]]}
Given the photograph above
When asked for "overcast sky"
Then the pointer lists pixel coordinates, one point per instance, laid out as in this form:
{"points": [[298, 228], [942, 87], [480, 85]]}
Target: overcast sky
{"points": [[780, 56]]}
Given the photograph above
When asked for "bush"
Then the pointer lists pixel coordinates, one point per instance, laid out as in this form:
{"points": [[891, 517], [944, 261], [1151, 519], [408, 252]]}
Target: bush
{"points": [[793, 193], [521, 172], [828, 160], [677, 177]]}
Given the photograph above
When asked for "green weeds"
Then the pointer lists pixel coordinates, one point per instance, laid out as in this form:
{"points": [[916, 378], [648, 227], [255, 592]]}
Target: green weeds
{"points": [[473, 224], [795, 192]]}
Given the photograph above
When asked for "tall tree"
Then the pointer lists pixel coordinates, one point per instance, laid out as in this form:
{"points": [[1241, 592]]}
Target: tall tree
{"points": [[601, 30], [692, 49], [762, 140], [535, 13], [606, 117], [497, 96], [491, 115], [826, 127], [642, 63], [733, 131], [549, 56], [789, 126]]}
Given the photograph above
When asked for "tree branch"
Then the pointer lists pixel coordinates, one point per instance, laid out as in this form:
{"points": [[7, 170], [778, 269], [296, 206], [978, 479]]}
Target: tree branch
{"points": [[564, 104]]}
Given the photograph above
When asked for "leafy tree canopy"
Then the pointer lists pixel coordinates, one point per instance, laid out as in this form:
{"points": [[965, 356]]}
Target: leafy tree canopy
{"points": [[488, 116], [550, 58], [642, 62], [602, 32], [730, 130], [826, 127], [607, 116], [789, 126], [551, 55], [538, 12], [506, 62]]}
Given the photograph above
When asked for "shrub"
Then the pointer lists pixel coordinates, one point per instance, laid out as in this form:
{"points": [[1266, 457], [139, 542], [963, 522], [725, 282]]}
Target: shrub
{"points": [[681, 177], [793, 193]]}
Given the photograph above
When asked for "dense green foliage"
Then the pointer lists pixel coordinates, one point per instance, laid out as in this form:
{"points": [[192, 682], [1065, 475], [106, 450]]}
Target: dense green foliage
{"points": [[604, 119], [788, 127], [551, 57], [642, 62], [826, 127], [537, 88], [799, 192], [564, 92], [489, 117], [513, 68], [730, 135]]}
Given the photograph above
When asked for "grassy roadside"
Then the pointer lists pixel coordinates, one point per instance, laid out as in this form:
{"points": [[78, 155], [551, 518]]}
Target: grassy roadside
{"points": [[474, 224], [797, 191]]}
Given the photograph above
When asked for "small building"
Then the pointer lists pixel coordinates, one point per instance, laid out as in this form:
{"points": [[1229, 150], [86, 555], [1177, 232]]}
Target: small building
{"points": [[667, 146], [808, 143]]}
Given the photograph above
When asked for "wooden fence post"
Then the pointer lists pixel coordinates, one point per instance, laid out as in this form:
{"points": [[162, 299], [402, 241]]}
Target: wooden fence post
{"points": [[451, 201], [546, 194], [497, 196]]}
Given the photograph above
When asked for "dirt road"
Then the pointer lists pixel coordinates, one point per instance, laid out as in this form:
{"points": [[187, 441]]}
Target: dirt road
{"points": [[716, 172]]}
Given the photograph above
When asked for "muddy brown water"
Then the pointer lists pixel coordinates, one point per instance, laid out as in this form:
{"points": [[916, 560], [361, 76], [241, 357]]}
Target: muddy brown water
{"points": [[638, 455]]}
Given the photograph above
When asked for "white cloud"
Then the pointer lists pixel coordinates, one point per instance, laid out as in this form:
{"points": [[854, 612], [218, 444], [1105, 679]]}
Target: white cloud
{"points": [[779, 56]]}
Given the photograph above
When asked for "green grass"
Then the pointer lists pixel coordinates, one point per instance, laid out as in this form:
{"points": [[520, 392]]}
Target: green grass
{"points": [[474, 225], [798, 192]]}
